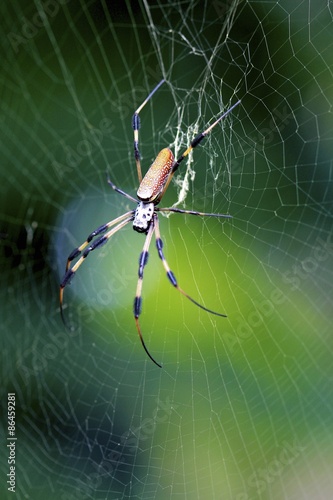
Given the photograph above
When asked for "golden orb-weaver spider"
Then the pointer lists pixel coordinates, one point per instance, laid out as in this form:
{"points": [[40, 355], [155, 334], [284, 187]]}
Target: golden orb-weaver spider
{"points": [[145, 217]]}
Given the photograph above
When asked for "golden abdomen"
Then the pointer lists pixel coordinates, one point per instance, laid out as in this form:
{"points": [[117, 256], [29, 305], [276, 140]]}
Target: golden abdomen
{"points": [[153, 183]]}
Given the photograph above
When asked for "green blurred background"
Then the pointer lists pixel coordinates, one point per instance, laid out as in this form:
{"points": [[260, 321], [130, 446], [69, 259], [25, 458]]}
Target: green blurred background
{"points": [[242, 408]]}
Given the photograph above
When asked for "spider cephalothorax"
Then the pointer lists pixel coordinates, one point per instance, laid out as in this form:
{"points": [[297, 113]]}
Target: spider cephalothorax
{"points": [[143, 215]]}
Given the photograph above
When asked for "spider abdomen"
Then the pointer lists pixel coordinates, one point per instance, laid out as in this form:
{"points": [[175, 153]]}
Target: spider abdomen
{"points": [[152, 186]]}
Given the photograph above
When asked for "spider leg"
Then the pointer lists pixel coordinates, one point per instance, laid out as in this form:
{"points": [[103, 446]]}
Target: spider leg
{"points": [[136, 126], [70, 271], [120, 191], [191, 212], [76, 252], [138, 299], [195, 143], [171, 276]]}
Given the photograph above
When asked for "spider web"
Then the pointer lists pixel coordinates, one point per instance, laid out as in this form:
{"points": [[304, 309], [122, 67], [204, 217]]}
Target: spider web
{"points": [[242, 408]]}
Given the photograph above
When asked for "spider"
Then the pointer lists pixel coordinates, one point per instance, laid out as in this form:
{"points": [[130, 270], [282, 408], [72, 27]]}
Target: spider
{"points": [[145, 217]]}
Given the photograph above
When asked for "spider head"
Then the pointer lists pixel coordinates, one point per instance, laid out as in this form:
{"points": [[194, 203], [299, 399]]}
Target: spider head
{"points": [[143, 215]]}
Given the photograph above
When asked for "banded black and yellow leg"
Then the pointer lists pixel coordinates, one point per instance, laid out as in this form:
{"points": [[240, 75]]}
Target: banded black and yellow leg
{"points": [[200, 137], [136, 126], [194, 143], [171, 277], [102, 229], [138, 296], [70, 272], [191, 212]]}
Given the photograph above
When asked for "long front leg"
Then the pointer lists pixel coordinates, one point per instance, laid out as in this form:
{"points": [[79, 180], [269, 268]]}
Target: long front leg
{"points": [[136, 126]]}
